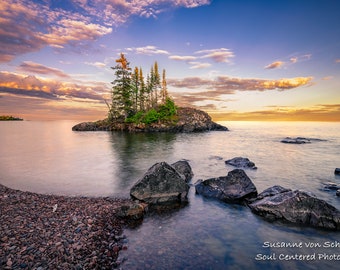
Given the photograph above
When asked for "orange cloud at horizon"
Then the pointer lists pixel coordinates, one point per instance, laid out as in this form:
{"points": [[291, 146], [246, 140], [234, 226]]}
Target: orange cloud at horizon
{"points": [[321, 112]]}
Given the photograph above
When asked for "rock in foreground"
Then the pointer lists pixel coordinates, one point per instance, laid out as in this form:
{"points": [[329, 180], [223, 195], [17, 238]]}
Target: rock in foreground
{"points": [[189, 120], [278, 203], [240, 162], [161, 184], [236, 187]]}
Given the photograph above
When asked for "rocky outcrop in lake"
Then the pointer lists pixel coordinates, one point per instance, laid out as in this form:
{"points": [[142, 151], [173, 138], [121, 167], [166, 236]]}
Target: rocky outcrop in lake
{"points": [[189, 120], [241, 162], [300, 140], [166, 186], [236, 187], [163, 184], [298, 207]]}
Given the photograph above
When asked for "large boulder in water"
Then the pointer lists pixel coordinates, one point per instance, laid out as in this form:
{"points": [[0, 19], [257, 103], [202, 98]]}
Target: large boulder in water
{"points": [[236, 187], [278, 203], [161, 184]]}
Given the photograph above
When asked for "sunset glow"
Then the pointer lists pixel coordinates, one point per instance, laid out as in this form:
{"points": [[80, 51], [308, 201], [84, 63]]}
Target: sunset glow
{"points": [[237, 60]]}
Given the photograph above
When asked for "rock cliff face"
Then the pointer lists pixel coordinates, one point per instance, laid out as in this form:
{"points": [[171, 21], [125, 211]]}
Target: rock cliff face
{"points": [[189, 120]]}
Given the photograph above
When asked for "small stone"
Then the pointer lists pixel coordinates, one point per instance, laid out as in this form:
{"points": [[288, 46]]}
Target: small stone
{"points": [[9, 262]]}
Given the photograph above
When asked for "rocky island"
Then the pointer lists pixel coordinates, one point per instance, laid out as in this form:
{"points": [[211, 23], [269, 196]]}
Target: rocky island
{"points": [[186, 120]]}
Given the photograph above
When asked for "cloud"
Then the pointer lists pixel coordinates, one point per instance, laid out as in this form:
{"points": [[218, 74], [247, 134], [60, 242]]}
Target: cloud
{"points": [[320, 112], [147, 50], [221, 55], [199, 65], [293, 60], [35, 68], [27, 26], [337, 60], [276, 64], [31, 108], [41, 26], [18, 84], [96, 64], [228, 85], [182, 58]]}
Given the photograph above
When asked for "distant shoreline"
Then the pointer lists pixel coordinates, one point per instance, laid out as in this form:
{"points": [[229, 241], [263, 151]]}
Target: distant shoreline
{"points": [[10, 118]]}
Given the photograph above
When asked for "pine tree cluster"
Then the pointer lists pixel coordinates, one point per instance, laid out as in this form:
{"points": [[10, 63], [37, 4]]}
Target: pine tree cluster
{"points": [[136, 99]]}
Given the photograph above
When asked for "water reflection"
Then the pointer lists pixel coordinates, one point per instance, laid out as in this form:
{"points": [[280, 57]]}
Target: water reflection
{"points": [[135, 153]]}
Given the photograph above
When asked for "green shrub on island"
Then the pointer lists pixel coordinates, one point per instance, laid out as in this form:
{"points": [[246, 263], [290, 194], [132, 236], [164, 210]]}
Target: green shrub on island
{"points": [[9, 118], [163, 113]]}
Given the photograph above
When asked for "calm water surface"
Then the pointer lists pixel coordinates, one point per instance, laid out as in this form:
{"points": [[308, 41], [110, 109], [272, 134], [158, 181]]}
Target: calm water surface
{"points": [[48, 157]]}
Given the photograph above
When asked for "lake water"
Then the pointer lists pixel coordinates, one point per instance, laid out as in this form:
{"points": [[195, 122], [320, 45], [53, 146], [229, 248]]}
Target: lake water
{"points": [[48, 157]]}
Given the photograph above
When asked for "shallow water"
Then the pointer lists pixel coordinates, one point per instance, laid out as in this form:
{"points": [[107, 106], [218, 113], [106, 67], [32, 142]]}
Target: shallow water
{"points": [[48, 157]]}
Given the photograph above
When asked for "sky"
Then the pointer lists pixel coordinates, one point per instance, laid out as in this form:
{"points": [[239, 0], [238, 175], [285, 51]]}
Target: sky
{"points": [[236, 59]]}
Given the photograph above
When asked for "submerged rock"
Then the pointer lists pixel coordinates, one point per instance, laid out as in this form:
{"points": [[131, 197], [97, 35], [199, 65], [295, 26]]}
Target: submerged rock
{"points": [[236, 187], [161, 184], [241, 162], [278, 203], [297, 140], [330, 186], [300, 140], [337, 171]]}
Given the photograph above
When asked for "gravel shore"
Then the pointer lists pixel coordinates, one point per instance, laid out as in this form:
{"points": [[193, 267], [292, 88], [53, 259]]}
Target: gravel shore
{"points": [[58, 232]]}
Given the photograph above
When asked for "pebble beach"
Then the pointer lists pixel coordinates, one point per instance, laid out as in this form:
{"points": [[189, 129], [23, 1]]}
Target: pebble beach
{"points": [[59, 232]]}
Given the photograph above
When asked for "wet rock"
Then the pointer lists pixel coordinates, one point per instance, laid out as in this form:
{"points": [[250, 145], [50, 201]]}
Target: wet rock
{"points": [[278, 203], [161, 184], [300, 140], [133, 210], [241, 162], [184, 168], [330, 186], [236, 187], [337, 171], [337, 192]]}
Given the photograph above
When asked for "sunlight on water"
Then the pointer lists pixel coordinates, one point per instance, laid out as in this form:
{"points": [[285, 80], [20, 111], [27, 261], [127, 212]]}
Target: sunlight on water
{"points": [[48, 157]]}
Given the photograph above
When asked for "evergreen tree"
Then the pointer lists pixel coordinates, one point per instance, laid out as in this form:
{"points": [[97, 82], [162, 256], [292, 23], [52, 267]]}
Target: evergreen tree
{"points": [[135, 99], [135, 89], [156, 83], [142, 91], [121, 106], [164, 92]]}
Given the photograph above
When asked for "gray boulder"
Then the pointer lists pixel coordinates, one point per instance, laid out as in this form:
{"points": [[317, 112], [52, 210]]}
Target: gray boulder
{"points": [[236, 187], [184, 168], [161, 184], [278, 203], [241, 162]]}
